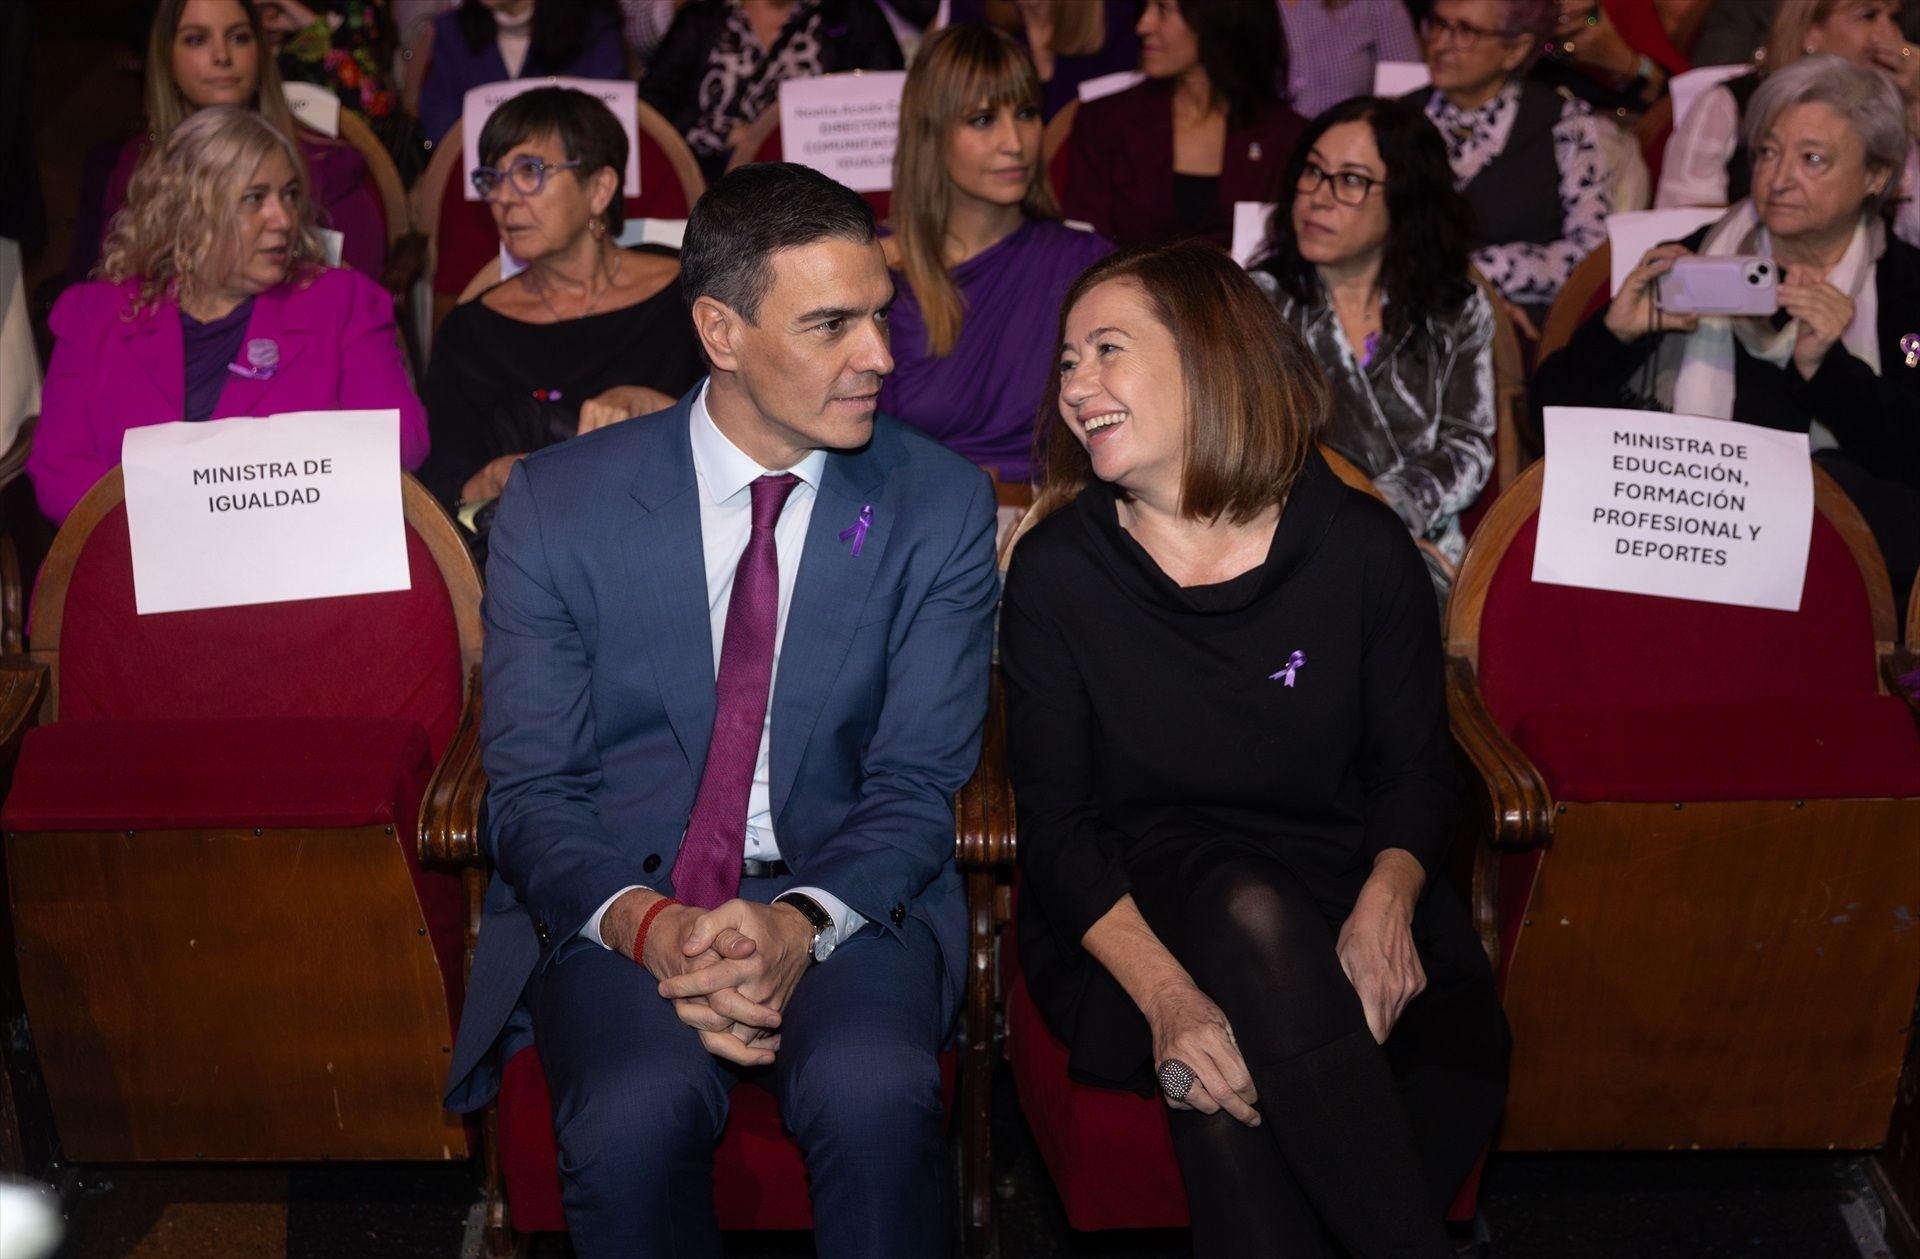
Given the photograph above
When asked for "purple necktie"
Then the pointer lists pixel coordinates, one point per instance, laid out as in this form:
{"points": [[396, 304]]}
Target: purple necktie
{"points": [[707, 870]]}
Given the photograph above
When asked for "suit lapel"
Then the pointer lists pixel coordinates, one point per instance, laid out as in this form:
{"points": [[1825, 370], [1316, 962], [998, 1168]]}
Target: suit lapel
{"points": [[669, 584], [156, 346], [271, 322], [828, 594]]}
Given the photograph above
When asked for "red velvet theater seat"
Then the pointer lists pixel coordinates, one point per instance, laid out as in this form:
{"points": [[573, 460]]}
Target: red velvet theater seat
{"points": [[1712, 817], [229, 947]]}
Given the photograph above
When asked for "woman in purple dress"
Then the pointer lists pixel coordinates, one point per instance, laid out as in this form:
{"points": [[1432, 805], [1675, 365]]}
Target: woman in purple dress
{"points": [[978, 250]]}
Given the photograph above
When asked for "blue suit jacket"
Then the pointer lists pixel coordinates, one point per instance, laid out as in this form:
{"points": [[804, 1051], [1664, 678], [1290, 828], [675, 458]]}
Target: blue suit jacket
{"points": [[599, 696]]}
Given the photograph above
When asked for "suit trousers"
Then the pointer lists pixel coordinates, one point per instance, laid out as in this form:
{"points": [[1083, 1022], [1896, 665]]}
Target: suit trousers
{"points": [[639, 1104]]}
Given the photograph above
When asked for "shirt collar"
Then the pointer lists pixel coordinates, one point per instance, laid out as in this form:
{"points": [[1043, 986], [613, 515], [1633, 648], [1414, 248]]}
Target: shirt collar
{"points": [[723, 468]]}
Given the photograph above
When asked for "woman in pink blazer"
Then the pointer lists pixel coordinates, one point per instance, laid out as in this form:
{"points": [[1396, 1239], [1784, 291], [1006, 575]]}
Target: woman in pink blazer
{"points": [[214, 304]]}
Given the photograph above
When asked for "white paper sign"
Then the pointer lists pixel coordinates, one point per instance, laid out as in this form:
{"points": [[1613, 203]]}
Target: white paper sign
{"points": [[1397, 78], [1688, 86], [1109, 84], [298, 506], [1630, 233], [1250, 230], [314, 107], [620, 95], [332, 242], [1675, 505], [845, 126]]}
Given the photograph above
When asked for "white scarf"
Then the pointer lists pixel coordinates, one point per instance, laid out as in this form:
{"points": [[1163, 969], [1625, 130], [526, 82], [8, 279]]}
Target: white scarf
{"points": [[1704, 382]]}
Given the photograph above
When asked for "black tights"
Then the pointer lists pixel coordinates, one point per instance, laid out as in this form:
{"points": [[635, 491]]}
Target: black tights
{"points": [[1333, 1168]]}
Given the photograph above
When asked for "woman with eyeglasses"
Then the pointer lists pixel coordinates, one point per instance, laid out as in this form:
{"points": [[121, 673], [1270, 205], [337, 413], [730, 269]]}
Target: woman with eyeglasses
{"points": [[1369, 262], [1529, 161], [588, 335], [214, 301], [1707, 160], [1169, 158]]}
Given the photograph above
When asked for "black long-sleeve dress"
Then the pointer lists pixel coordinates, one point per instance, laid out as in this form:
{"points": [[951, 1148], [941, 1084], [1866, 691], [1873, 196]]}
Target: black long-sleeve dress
{"points": [[502, 386], [1151, 726]]}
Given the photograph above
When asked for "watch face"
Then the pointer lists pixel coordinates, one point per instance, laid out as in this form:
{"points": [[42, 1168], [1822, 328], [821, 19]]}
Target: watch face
{"points": [[823, 943]]}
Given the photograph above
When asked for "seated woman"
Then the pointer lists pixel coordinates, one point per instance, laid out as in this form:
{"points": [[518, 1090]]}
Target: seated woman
{"points": [[589, 334], [1827, 142], [1070, 41], [214, 303], [1228, 744], [1348, 41], [1529, 161], [723, 61], [214, 52], [980, 256], [1707, 160], [1168, 158], [488, 41], [1369, 262]]}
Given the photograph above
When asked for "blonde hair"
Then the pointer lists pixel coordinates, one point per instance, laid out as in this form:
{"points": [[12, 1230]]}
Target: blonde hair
{"points": [[958, 69], [177, 233], [1079, 26], [1793, 21], [167, 108]]}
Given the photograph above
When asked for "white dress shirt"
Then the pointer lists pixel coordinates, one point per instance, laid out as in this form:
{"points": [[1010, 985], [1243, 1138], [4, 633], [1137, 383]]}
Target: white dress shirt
{"points": [[726, 475]]}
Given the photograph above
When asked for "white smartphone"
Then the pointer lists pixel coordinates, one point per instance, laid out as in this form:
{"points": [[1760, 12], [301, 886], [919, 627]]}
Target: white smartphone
{"points": [[1740, 285]]}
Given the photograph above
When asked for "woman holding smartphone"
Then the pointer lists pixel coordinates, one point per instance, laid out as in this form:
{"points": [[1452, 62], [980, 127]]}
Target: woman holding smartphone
{"points": [[1838, 358]]}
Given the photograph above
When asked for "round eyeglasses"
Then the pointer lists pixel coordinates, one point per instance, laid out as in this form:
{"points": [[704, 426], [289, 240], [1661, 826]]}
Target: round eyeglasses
{"points": [[1348, 187], [1465, 34], [527, 174]]}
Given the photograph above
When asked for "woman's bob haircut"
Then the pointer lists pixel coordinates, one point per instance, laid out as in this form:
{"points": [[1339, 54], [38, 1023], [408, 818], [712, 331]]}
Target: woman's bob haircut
{"points": [[1255, 397], [177, 231]]}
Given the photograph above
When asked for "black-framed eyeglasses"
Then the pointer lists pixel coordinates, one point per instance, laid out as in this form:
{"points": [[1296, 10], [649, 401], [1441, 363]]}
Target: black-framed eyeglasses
{"points": [[527, 174], [1466, 34], [1348, 187]]}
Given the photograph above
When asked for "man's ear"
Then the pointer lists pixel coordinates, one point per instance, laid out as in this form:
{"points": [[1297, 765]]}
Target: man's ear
{"points": [[718, 326]]}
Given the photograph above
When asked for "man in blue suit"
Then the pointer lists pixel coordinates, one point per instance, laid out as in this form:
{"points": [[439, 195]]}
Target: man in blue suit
{"points": [[736, 668]]}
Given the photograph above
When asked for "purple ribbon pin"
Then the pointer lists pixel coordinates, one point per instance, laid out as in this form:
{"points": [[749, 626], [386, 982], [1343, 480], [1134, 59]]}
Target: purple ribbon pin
{"points": [[1910, 346], [858, 530], [1296, 662], [263, 359]]}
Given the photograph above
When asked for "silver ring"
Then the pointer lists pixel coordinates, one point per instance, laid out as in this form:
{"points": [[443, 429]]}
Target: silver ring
{"points": [[1176, 1079]]}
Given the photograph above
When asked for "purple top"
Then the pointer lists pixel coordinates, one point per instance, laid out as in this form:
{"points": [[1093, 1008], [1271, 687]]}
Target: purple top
{"points": [[454, 68], [210, 347], [1333, 51], [980, 400]]}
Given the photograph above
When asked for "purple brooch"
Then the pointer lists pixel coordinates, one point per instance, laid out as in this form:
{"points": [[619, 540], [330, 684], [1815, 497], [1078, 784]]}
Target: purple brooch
{"points": [[1910, 346], [547, 395], [263, 360], [1296, 662], [857, 531]]}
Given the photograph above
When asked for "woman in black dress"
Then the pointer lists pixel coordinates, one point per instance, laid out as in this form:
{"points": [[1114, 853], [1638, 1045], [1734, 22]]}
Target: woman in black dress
{"points": [[589, 334], [1229, 750]]}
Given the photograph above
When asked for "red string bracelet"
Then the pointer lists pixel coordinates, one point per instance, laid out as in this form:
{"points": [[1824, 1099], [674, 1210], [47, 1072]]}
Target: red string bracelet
{"points": [[646, 920]]}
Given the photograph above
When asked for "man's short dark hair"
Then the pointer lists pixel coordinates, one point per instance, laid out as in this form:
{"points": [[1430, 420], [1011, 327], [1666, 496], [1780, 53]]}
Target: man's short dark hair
{"points": [[752, 213], [586, 129]]}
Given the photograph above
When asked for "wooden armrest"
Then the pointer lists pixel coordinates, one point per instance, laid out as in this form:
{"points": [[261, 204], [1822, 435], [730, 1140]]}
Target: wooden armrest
{"points": [[450, 812], [983, 828], [23, 685], [1520, 808], [406, 263], [1902, 663]]}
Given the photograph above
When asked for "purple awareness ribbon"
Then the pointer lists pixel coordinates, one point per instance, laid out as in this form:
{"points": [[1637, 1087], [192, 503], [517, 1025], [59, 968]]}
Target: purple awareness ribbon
{"points": [[263, 359], [1295, 663], [858, 529]]}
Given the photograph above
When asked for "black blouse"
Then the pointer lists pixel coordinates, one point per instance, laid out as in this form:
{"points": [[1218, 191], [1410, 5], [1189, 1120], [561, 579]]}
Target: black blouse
{"points": [[1142, 713], [497, 385]]}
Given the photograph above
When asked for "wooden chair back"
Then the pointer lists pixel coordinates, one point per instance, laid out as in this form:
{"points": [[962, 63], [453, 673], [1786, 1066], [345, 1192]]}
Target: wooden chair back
{"points": [[386, 176], [1585, 291]]}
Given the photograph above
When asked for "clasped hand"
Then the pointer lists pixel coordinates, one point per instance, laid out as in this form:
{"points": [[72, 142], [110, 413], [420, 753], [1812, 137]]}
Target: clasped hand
{"points": [[729, 971]]}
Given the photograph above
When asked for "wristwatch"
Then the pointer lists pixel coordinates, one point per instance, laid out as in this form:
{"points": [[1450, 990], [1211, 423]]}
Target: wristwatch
{"points": [[825, 934]]}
